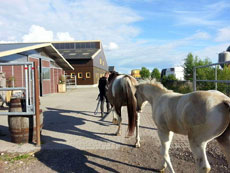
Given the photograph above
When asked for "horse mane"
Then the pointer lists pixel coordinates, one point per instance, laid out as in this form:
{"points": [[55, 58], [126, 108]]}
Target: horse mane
{"points": [[113, 75], [156, 84]]}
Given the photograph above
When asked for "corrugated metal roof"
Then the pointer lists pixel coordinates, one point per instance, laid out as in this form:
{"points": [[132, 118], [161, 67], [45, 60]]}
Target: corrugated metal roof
{"points": [[14, 48]]}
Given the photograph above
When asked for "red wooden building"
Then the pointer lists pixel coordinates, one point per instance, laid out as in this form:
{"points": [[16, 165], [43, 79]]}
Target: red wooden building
{"points": [[51, 64]]}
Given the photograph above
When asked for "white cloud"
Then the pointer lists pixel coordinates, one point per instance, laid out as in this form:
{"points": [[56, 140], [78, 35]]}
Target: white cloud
{"points": [[211, 52], [82, 19], [202, 14], [114, 24], [37, 33], [111, 46], [64, 36], [223, 34], [199, 36]]}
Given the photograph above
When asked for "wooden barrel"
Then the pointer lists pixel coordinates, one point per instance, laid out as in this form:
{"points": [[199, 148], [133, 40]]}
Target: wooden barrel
{"points": [[22, 128]]}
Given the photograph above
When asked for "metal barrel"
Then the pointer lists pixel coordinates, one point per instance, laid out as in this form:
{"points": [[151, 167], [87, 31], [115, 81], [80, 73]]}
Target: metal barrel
{"points": [[22, 128]]}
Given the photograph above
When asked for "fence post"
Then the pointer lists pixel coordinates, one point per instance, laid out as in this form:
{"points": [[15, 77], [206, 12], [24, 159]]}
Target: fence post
{"points": [[194, 78], [37, 113], [216, 77]]}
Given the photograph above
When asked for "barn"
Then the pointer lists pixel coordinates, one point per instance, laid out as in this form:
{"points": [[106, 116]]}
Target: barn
{"points": [[87, 58], [51, 64]]}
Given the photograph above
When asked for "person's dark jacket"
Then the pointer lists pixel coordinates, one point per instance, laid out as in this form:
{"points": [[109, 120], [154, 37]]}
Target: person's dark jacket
{"points": [[103, 85]]}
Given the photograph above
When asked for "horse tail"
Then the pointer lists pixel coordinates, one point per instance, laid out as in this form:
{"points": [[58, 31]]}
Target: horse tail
{"points": [[224, 139], [131, 106]]}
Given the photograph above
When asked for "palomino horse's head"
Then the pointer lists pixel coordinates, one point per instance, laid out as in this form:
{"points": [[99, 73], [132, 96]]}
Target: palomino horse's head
{"points": [[140, 97]]}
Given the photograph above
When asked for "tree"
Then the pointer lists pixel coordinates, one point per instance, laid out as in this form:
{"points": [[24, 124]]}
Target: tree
{"points": [[202, 73], [188, 66], [145, 73], [171, 77], [156, 74], [224, 74]]}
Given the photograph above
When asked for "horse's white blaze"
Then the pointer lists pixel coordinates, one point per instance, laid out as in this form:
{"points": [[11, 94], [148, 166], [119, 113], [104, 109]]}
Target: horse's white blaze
{"points": [[115, 83]]}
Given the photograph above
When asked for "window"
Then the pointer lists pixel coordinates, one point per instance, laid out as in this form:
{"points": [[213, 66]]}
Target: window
{"points": [[103, 63], [88, 75], [80, 75], [62, 46], [45, 73], [87, 45], [72, 75], [77, 45], [82, 45], [92, 45], [100, 60]]}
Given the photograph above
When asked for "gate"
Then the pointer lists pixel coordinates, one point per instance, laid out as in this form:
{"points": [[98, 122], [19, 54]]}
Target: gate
{"points": [[215, 80], [30, 92]]}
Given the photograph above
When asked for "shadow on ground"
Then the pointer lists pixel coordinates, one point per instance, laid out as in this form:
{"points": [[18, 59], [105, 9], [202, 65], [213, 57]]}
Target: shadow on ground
{"points": [[4, 133], [69, 159], [66, 158], [72, 159]]}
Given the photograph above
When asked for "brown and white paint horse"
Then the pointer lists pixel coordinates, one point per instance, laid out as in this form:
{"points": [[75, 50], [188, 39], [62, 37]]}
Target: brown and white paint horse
{"points": [[201, 115], [121, 93]]}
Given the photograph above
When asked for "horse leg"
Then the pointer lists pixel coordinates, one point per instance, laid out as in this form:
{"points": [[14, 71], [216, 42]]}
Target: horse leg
{"points": [[137, 131], [224, 142], [166, 139], [118, 111], [199, 151], [115, 116]]}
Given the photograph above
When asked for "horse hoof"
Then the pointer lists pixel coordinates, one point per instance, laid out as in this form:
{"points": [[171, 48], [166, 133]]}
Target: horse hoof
{"points": [[115, 121], [138, 145], [162, 170]]}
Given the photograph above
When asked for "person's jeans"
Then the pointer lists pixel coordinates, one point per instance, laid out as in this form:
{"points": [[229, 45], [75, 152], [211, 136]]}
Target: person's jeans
{"points": [[104, 98]]}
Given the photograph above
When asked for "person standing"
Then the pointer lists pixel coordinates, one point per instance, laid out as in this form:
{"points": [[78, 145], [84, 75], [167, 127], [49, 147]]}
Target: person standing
{"points": [[103, 88]]}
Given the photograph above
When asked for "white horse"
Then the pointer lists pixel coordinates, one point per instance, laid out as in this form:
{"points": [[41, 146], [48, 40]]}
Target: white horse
{"points": [[201, 115]]}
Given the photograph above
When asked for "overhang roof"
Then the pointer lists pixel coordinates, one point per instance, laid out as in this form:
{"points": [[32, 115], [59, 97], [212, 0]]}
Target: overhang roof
{"points": [[14, 48]]}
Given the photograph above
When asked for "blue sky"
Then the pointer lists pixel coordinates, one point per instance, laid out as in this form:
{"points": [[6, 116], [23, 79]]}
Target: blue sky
{"points": [[135, 33]]}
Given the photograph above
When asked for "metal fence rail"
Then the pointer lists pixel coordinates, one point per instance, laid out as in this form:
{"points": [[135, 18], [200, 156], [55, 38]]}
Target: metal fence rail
{"points": [[28, 90], [71, 81], [215, 80]]}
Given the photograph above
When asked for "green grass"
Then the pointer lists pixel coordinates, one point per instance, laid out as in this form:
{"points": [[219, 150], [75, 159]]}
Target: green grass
{"points": [[15, 157]]}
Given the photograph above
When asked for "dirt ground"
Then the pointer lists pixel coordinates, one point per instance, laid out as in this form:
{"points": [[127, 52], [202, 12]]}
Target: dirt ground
{"points": [[125, 159]]}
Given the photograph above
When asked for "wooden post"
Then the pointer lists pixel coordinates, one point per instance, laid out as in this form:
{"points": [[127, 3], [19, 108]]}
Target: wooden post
{"points": [[37, 113]]}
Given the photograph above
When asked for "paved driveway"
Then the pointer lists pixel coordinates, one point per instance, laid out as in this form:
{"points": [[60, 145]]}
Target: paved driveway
{"points": [[69, 122]]}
